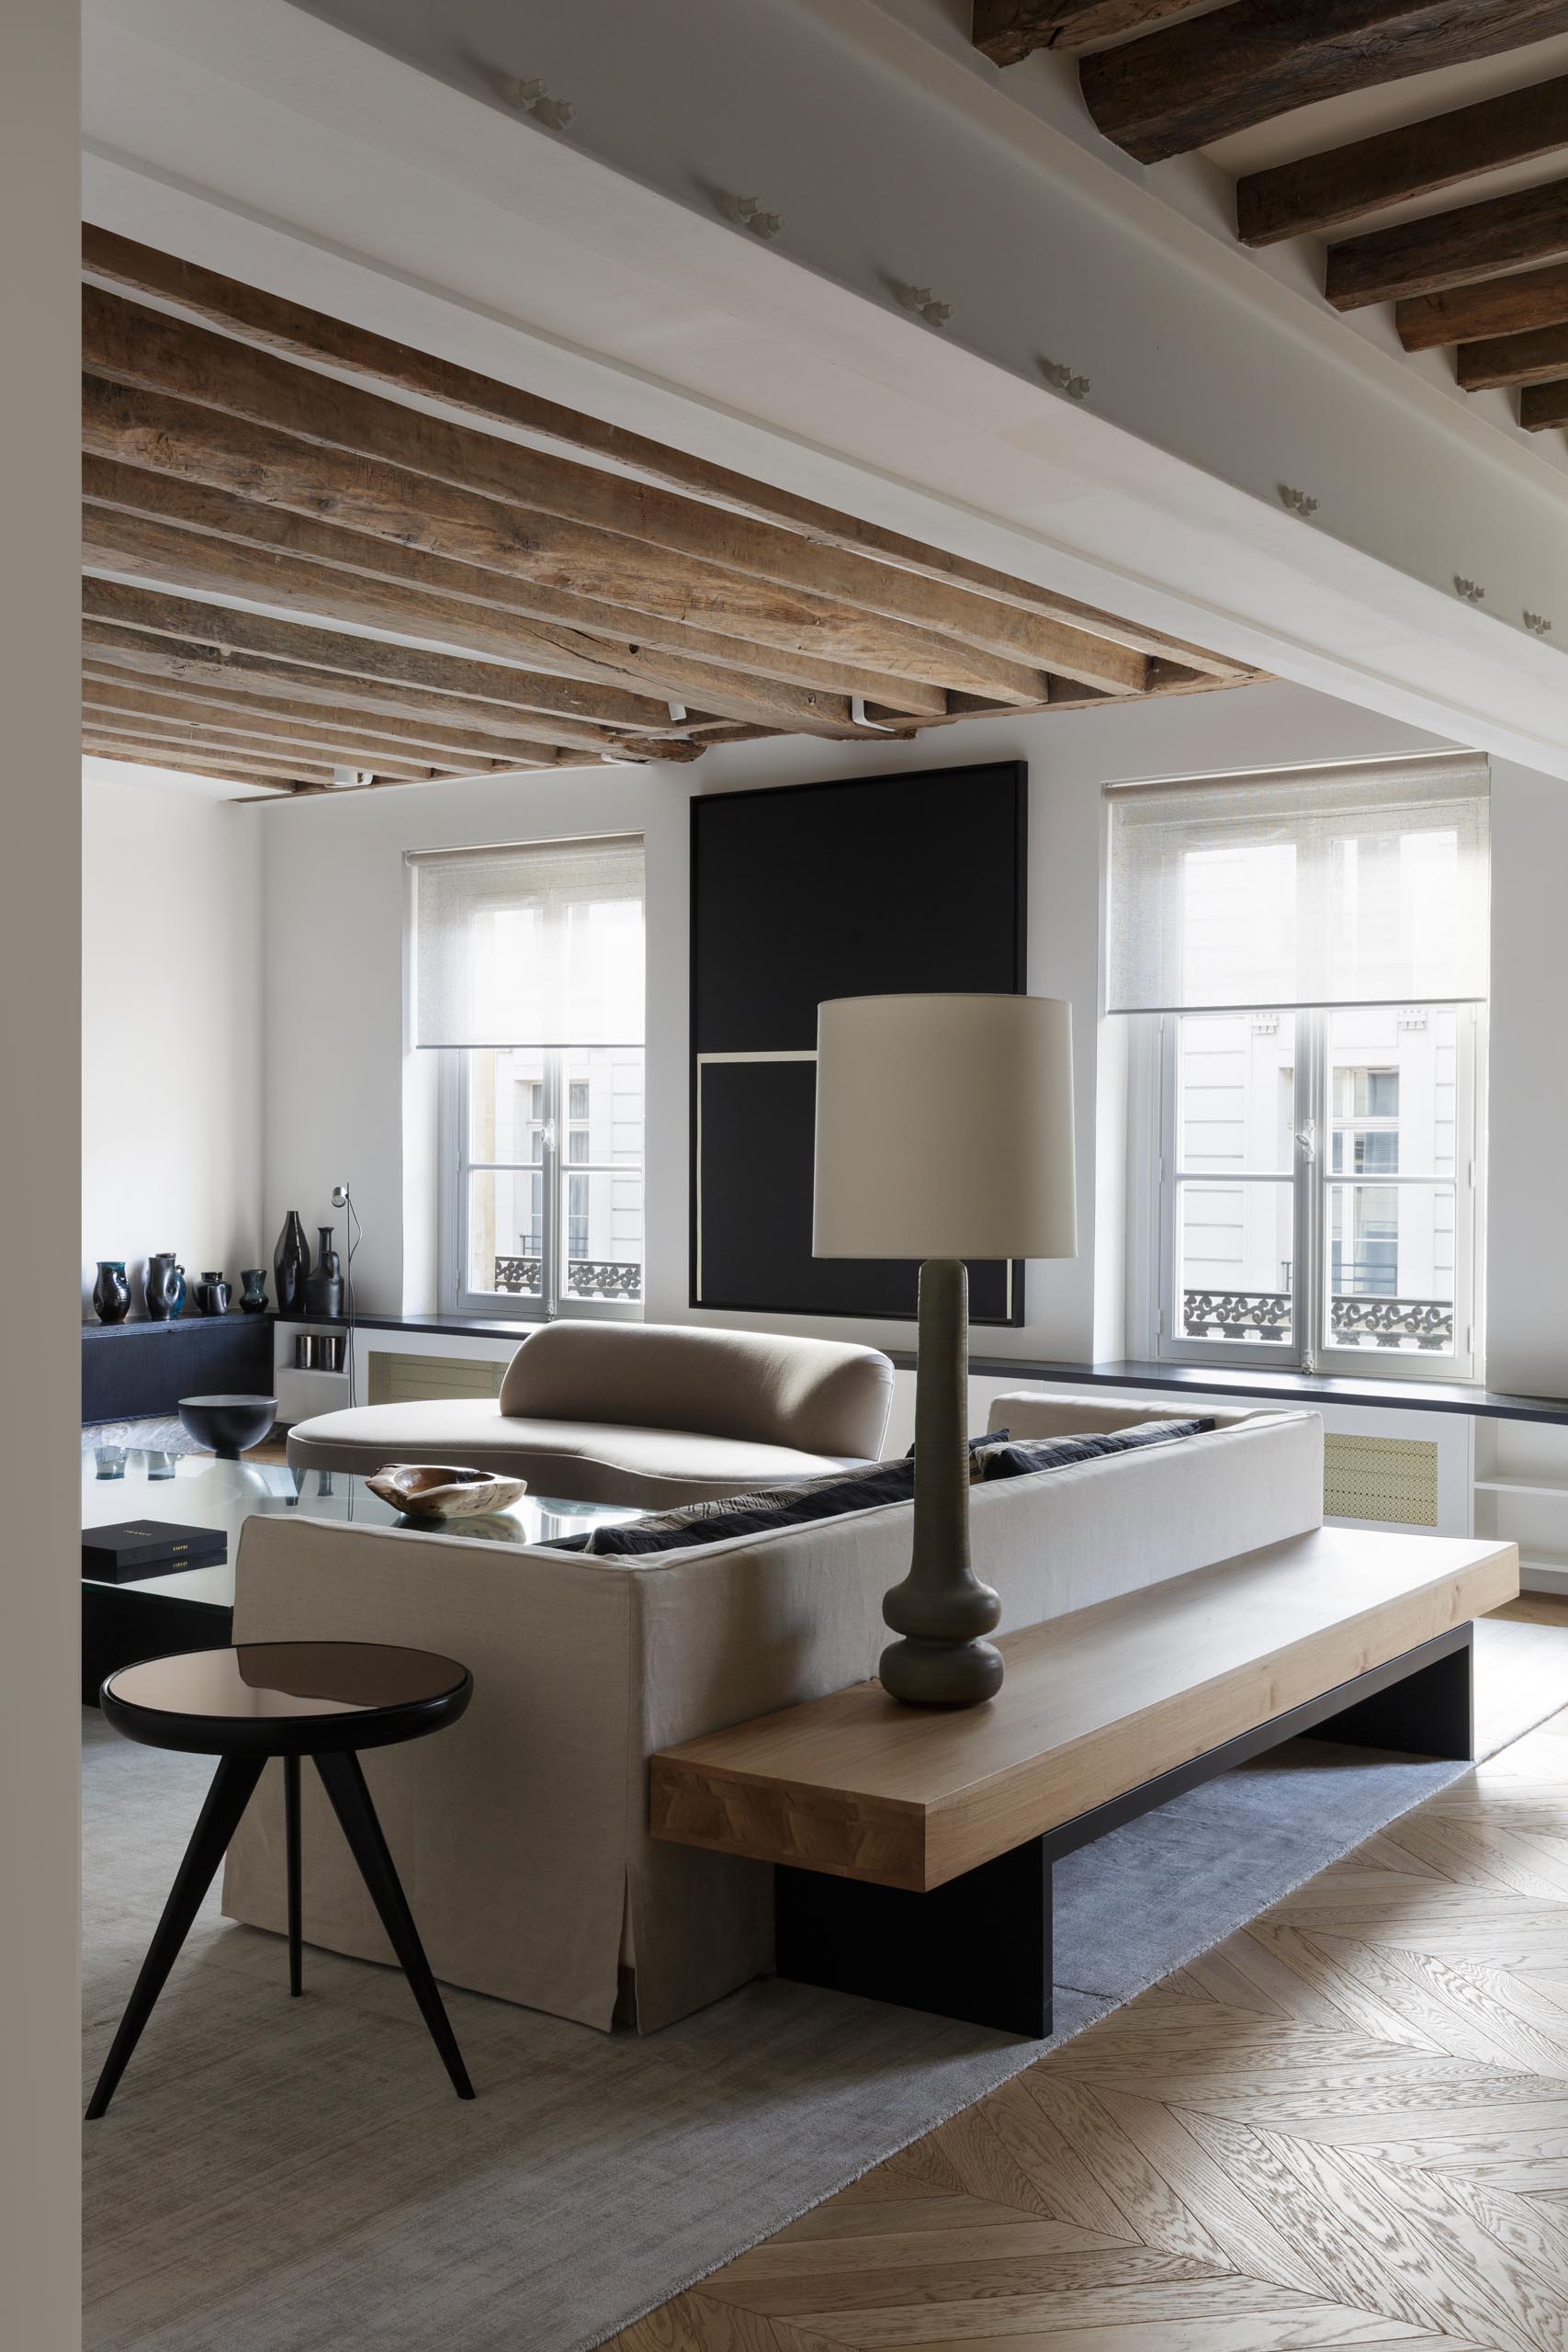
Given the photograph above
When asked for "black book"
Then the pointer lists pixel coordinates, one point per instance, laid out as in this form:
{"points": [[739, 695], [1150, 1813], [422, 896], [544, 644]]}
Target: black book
{"points": [[145, 1547]]}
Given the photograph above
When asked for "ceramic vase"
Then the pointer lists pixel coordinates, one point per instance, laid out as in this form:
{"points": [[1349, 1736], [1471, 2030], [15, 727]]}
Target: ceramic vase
{"points": [[212, 1295], [111, 1291], [291, 1264], [252, 1298], [164, 1287], [323, 1289]]}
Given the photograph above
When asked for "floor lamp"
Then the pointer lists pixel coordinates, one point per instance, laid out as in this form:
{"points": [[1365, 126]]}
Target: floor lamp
{"points": [[944, 1132]]}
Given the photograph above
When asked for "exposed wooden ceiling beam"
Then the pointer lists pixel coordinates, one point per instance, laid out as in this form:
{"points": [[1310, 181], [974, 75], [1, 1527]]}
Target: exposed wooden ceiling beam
{"points": [[225, 704], [340, 650], [1543, 405], [1323, 191], [1198, 82], [1513, 359], [133, 490], [1496, 306], [132, 546], [585, 528], [350, 747], [215, 772], [302, 333], [1449, 249], [1009, 31], [166, 653], [203, 741], [108, 744]]}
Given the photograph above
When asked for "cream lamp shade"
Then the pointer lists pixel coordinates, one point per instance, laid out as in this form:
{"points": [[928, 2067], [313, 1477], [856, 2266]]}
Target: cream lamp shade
{"points": [[944, 1127]]}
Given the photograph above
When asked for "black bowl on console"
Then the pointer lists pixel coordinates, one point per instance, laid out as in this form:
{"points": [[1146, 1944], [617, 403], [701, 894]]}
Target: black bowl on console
{"points": [[228, 1424]]}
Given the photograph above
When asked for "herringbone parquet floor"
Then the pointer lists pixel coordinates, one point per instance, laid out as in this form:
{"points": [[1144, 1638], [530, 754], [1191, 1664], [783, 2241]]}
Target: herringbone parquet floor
{"points": [[1346, 2125]]}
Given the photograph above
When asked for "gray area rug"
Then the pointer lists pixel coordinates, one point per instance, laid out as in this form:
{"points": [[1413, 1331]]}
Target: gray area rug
{"points": [[289, 2176]]}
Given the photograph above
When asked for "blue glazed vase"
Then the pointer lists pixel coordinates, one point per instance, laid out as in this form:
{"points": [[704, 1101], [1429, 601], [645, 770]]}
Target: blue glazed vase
{"points": [[111, 1291]]}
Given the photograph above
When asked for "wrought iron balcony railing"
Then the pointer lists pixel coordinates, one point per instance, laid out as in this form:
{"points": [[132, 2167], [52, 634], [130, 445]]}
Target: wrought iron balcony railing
{"points": [[585, 1277], [1266, 1315]]}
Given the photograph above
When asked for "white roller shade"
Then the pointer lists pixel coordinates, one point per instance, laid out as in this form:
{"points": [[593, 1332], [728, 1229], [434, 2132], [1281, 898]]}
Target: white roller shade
{"points": [[536, 946], [1355, 884]]}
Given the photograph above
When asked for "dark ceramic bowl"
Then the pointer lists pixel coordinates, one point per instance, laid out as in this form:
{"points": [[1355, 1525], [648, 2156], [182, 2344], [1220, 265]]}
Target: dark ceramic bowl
{"points": [[228, 1424]]}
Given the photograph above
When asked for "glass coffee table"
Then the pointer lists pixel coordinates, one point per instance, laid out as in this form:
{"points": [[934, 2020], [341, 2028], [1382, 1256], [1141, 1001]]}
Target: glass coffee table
{"points": [[192, 1609]]}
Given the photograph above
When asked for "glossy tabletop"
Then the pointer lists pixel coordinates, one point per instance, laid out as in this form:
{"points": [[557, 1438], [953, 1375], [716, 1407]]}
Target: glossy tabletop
{"points": [[287, 1698], [123, 1483]]}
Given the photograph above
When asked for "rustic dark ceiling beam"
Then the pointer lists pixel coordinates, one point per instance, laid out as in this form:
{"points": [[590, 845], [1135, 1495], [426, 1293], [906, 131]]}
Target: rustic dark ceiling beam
{"points": [[1323, 191], [1448, 249], [1198, 82], [1543, 405], [134, 490], [1496, 306], [1513, 359], [300, 332], [1009, 31], [456, 491]]}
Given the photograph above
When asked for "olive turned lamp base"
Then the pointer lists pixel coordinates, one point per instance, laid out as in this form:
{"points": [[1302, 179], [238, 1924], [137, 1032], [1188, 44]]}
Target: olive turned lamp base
{"points": [[942, 1610]]}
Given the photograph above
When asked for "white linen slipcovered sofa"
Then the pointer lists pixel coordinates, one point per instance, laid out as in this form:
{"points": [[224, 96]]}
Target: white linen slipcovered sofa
{"points": [[638, 1413], [521, 1833]]}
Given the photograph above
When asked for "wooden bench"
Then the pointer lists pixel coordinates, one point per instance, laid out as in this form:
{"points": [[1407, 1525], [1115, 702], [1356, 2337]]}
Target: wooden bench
{"points": [[914, 1846]]}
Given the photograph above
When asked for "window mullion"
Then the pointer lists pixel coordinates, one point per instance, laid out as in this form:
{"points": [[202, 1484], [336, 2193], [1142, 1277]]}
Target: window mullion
{"points": [[1311, 1106], [550, 1228]]}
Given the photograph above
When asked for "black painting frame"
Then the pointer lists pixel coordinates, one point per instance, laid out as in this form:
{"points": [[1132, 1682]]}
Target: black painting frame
{"points": [[1009, 778]]}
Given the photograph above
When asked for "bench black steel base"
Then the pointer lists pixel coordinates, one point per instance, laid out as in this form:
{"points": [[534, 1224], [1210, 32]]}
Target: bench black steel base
{"points": [[978, 1949]]}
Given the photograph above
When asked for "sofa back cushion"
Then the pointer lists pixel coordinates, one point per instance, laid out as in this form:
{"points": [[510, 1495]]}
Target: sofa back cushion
{"points": [[818, 1395]]}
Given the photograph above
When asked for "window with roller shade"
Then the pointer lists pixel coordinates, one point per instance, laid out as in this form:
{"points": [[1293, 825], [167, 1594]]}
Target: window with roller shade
{"points": [[1305, 956], [527, 977]]}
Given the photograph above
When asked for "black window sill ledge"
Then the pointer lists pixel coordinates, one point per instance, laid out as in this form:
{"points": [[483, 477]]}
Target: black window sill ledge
{"points": [[1283, 1387]]}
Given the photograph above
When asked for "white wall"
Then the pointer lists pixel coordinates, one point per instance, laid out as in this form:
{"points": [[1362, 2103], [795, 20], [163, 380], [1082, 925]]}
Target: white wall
{"points": [[1527, 1269], [334, 916], [172, 1030]]}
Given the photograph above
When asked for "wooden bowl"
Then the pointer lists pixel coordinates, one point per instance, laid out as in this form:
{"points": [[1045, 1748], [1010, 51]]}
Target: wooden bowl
{"points": [[442, 1491]]}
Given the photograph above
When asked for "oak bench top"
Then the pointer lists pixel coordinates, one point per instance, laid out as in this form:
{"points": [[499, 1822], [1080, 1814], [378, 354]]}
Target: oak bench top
{"points": [[1094, 1704]]}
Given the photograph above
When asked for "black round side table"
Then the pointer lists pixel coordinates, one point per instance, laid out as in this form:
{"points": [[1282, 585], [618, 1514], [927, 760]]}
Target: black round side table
{"points": [[324, 1700]]}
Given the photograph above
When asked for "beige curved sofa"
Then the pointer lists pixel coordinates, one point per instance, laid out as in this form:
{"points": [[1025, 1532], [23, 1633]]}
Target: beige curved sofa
{"points": [[638, 1413]]}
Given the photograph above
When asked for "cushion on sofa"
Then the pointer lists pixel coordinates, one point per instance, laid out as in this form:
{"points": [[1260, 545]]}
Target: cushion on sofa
{"points": [[1023, 1455], [753, 1513], [585, 1461]]}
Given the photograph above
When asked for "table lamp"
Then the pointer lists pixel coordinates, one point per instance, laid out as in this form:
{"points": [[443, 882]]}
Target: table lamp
{"points": [[945, 1131]]}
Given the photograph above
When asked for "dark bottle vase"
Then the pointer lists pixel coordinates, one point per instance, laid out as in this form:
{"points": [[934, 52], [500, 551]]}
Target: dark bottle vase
{"points": [[212, 1295], [111, 1291], [291, 1264], [323, 1289], [164, 1287], [252, 1298]]}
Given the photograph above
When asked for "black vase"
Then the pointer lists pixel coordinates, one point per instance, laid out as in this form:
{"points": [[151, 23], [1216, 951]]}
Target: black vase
{"points": [[323, 1289], [111, 1291], [291, 1264], [164, 1287], [212, 1294], [253, 1298]]}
